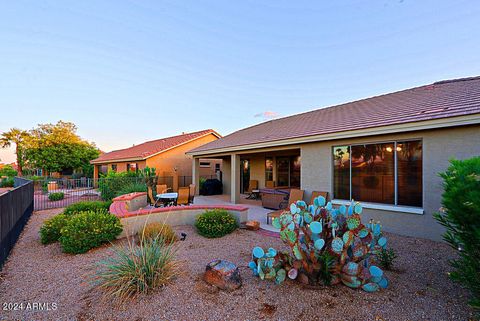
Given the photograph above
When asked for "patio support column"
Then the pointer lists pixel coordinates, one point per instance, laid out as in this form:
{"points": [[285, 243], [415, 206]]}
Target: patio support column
{"points": [[235, 179], [196, 174]]}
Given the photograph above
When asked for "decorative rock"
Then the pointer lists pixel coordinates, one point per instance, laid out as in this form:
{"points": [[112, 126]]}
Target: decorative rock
{"points": [[223, 274], [253, 225]]}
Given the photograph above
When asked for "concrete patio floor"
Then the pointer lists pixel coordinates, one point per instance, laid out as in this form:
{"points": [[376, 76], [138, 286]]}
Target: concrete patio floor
{"points": [[255, 210]]}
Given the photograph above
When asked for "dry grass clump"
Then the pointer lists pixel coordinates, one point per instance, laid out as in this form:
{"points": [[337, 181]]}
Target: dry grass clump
{"points": [[137, 269], [157, 230]]}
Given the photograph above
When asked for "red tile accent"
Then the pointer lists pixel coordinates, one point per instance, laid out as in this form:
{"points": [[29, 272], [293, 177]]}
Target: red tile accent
{"points": [[119, 209], [129, 197]]}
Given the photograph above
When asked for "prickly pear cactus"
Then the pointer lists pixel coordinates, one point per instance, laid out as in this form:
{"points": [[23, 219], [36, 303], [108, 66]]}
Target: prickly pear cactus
{"points": [[328, 246], [268, 265]]}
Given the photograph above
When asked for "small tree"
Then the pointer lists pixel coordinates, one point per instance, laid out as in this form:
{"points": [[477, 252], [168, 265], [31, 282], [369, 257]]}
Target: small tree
{"points": [[461, 218], [8, 171], [18, 137], [58, 147]]}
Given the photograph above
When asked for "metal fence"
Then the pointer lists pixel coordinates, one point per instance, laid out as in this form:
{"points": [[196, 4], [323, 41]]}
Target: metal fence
{"points": [[71, 190], [84, 189], [16, 207]]}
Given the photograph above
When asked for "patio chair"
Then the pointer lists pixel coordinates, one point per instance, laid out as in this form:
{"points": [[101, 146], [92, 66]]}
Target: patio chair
{"points": [[183, 195], [316, 194], [295, 195], [151, 199], [162, 188], [270, 184], [252, 185], [191, 193]]}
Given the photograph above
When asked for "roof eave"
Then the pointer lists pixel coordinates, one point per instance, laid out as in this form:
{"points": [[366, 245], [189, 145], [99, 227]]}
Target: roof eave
{"points": [[157, 153], [403, 127], [115, 160]]}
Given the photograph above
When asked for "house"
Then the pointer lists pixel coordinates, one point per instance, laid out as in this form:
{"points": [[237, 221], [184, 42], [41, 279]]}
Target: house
{"points": [[166, 155], [384, 151]]}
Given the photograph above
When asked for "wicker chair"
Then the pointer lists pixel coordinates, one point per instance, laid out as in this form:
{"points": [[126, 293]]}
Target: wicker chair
{"points": [[191, 193], [252, 185], [316, 194], [162, 188], [151, 199], [295, 195], [183, 195]]}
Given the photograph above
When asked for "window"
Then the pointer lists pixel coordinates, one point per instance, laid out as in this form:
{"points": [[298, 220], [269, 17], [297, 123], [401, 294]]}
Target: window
{"points": [[268, 169], [204, 164], [341, 172], [114, 167], [409, 173], [102, 170], [283, 171], [132, 167], [388, 173], [217, 167], [295, 164]]}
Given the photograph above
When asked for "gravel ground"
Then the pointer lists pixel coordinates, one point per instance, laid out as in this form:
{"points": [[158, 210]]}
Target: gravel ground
{"points": [[419, 287]]}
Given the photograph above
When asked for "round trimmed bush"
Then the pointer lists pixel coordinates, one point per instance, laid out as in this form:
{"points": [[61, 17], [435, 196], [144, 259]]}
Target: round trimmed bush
{"points": [[87, 206], [156, 230], [87, 230], [50, 230], [216, 223], [58, 196]]}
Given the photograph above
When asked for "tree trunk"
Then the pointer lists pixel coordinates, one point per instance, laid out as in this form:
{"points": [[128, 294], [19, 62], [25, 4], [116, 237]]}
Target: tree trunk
{"points": [[19, 161]]}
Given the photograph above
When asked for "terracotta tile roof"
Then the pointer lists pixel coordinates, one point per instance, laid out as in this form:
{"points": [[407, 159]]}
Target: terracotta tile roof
{"points": [[442, 99], [149, 148]]}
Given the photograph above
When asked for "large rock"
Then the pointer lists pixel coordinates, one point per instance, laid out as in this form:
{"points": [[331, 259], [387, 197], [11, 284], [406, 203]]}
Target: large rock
{"points": [[223, 274], [253, 225]]}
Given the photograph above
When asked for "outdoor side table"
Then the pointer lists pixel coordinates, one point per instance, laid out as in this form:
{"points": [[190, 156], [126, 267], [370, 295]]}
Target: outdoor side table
{"points": [[168, 199]]}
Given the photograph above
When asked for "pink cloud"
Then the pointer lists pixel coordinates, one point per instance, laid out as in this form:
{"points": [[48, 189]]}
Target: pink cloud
{"points": [[267, 115]]}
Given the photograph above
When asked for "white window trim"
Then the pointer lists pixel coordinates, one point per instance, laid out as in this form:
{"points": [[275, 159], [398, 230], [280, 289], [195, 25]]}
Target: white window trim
{"points": [[204, 165], [385, 207]]}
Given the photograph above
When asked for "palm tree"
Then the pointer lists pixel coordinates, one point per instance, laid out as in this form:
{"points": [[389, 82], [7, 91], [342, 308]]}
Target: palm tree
{"points": [[15, 136]]}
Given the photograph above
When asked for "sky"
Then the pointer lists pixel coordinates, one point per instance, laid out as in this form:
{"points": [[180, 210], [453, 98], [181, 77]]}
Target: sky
{"points": [[129, 71]]}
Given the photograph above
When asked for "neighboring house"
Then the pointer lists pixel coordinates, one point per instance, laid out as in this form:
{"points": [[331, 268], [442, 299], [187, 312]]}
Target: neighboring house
{"points": [[385, 151], [166, 155]]}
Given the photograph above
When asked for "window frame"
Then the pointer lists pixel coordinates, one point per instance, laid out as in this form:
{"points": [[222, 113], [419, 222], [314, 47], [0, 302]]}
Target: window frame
{"points": [[384, 206], [269, 171], [205, 164]]}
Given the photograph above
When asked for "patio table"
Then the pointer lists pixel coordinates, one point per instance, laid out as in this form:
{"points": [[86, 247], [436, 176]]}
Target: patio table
{"points": [[168, 199]]}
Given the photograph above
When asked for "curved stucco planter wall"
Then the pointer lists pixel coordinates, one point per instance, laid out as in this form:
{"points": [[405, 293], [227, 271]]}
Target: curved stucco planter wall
{"points": [[130, 208]]}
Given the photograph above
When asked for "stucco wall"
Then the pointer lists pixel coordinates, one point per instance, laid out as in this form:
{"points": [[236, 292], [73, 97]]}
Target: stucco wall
{"points": [[226, 175], [176, 157], [438, 147]]}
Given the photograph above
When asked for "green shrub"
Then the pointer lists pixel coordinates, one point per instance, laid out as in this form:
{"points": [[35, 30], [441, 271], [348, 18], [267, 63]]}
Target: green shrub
{"points": [[8, 171], [131, 188], [86, 206], [136, 269], [87, 230], [215, 223], [386, 258], [461, 218], [7, 182], [113, 184], [201, 182], [50, 230], [156, 230], [57, 196]]}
